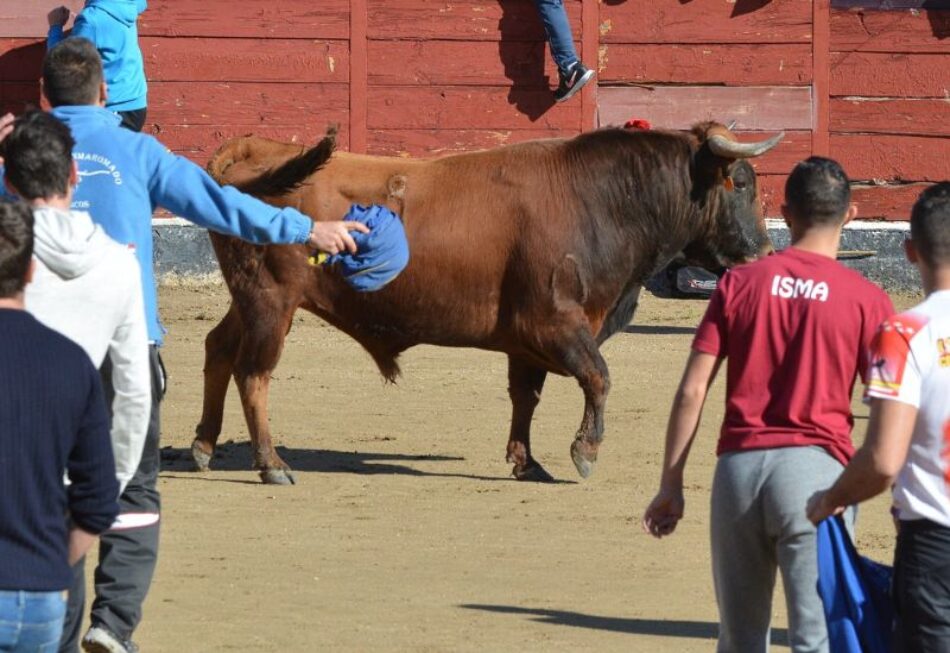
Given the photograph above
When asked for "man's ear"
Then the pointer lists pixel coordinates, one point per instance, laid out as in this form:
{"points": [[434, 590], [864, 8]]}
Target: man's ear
{"points": [[29, 271], [103, 93], [851, 213], [73, 174], [910, 250]]}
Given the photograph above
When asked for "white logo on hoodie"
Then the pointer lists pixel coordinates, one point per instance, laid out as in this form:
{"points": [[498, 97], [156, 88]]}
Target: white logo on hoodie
{"points": [[95, 165]]}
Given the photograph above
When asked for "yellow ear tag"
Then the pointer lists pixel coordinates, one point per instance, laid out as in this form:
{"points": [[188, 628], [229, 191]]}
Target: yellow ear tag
{"points": [[319, 259], [728, 184]]}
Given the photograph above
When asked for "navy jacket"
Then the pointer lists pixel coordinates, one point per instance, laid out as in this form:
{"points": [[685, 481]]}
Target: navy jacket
{"points": [[53, 418]]}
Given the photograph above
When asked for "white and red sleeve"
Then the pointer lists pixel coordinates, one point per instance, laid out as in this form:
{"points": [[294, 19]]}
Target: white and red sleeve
{"points": [[895, 372]]}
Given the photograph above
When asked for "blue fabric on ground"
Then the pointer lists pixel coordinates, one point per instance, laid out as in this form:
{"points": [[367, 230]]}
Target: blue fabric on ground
{"points": [[855, 592], [381, 254]]}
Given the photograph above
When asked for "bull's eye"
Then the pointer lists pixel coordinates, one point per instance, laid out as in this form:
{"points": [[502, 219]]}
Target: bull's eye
{"points": [[739, 185]]}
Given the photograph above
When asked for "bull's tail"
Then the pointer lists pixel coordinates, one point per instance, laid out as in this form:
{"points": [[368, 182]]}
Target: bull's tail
{"points": [[276, 181]]}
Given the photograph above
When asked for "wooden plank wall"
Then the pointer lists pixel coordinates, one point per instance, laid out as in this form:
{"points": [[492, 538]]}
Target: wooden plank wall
{"points": [[890, 100], [453, 76], [423, 77]]}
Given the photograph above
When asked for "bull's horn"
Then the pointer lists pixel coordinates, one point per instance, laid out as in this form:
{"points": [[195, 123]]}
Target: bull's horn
{"points": [[722, 146]]}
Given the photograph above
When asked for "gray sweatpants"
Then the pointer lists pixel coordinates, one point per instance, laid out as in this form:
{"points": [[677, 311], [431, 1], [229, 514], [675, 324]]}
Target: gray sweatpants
{"points": [[758, 525]]}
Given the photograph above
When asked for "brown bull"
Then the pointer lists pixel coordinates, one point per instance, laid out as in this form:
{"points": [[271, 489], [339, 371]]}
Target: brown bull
{"points": [[537, 250]]}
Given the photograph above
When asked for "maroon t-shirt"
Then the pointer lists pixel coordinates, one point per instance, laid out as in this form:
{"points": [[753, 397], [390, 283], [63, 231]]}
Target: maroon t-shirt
{"points": [[795, 328]]}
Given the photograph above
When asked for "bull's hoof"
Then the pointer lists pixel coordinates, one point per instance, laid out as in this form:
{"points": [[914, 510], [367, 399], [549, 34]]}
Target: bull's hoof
{"points": [[532, 472], [201, 458], [583, 458], [277, 477]]}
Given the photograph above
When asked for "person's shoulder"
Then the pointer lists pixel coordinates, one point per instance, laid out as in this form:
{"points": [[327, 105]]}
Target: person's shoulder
{"points": [[861, 289]]}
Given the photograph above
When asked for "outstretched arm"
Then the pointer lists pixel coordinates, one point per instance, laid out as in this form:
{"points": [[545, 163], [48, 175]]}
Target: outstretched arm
{"points": [[876, 464], [666, 509], [185, 189]]}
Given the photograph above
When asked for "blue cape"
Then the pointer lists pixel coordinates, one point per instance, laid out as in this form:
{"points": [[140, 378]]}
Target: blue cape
{"points": [[381, 254], [855, 592]]}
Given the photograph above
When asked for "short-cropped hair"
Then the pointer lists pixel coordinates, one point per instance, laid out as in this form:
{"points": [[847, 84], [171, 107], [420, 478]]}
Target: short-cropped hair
{"points": [[38, 156], [72, 73], [818, 192], [16, 246], [930, 224]]}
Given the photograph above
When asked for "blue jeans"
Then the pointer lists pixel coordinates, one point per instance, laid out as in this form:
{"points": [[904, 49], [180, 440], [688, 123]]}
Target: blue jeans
{"points": [[559, 34], [31, 621]]}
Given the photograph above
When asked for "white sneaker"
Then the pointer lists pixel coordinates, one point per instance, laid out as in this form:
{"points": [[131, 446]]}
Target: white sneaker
{"points": [[100, 640]]}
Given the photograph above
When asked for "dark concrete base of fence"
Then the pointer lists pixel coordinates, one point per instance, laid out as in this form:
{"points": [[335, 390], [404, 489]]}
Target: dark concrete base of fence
{"points": [[183, 252]]}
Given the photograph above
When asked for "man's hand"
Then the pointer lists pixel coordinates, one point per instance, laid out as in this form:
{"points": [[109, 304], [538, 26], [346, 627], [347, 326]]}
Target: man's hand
{"points": [[664, 512], [334, 237], [58, 17], [819, 509]]}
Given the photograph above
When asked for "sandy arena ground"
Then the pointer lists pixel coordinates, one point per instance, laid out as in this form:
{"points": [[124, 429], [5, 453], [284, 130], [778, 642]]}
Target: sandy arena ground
{"points": [[406, 533]]}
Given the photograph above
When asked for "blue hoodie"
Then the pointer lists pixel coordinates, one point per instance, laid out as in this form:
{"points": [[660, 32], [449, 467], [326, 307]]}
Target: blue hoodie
{"points": [[110, 25], [124, 176]]}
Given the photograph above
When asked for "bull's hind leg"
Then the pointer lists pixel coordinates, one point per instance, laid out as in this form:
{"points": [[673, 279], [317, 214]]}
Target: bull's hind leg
{"points": [[257, 356], [221, 347], [525, 382]]}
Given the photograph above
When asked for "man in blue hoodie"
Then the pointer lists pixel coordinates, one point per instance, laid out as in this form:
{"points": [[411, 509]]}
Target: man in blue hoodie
{"points": [[111, 26], [123, 177]]}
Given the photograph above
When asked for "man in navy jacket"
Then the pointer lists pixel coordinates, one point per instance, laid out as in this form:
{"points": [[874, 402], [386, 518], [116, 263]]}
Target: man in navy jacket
{"points": [[52, 418]]}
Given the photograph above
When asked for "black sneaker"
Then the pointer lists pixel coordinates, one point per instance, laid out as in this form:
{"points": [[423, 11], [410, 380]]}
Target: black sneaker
{"points": [[572, 81]]}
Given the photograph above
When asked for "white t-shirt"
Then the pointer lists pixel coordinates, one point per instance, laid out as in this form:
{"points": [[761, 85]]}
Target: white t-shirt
{"points": [[910, 362]]}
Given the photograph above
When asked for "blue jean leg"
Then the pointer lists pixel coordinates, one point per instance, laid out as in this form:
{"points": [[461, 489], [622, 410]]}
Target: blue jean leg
{"points": [[558, 30], [31, 621]]}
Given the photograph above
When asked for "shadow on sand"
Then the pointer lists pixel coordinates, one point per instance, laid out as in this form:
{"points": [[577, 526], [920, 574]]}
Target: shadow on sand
{"points": [[236, 457], [654, 627]]}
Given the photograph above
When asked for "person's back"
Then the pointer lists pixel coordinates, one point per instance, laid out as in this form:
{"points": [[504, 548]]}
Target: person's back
{"points": [[792, 327], [52, 418], [111, 26], [49, 379]]}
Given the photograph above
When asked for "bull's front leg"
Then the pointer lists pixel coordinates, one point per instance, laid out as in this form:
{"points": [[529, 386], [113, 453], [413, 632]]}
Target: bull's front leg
{"points": [[525, 382], [589, 368]]}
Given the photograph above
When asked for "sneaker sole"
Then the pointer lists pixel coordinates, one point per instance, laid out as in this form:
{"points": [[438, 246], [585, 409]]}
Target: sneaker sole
{"points": [[578, 86], [97, 647]]}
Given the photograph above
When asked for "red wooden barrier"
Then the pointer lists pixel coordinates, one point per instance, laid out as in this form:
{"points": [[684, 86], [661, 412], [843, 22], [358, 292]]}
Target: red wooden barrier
{"points": [[424, 77]]}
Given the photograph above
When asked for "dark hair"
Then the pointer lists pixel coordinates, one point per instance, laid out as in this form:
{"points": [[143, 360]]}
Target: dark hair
{"points": [[930, 224], [16, 246], [38, 156], [818, 192], [72, 73]]}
